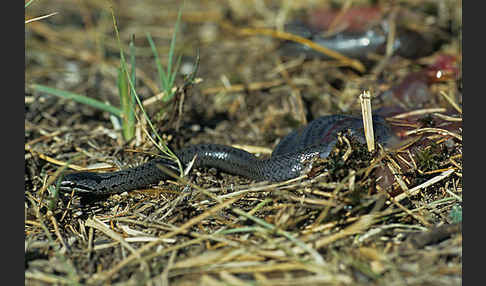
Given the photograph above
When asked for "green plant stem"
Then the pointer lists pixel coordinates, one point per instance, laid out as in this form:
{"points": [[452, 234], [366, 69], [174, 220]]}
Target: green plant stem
{"points": [[128, 126], [161, 145]]}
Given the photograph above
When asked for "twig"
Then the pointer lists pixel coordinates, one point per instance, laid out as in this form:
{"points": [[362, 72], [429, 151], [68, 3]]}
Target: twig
{"points": [[413, 191], [365, 100], [291, 37], [447, 117], [355, 228], [419, 112], [53, 161], [97, 224], [451, 101], [56, 229], [40, 17], [434, 130]]}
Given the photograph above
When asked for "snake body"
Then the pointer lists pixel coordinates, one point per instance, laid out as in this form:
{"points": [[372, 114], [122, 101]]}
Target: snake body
{"points": [[288, 160]]}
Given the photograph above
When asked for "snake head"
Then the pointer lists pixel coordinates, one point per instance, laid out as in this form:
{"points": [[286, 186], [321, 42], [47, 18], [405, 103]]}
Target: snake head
{"points": [[82, 182]]}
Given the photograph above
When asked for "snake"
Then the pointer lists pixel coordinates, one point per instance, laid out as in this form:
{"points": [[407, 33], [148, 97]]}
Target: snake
{"points": [[288, 160]]}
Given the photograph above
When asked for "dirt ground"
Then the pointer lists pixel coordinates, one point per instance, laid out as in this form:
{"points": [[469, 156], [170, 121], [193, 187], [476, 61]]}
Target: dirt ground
{"points": [[333, 227]]}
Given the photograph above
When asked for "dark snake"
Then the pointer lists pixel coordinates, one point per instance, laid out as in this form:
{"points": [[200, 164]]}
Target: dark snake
{"points": [[288, 159]]}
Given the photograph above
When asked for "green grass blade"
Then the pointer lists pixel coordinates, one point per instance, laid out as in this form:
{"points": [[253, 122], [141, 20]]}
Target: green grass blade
{"points": [[170, 93], [189, 79], [28, 3], [172, 44], [132, 63], [162, 75], [128, 126], [127, 98], [173, 75], [79, 98], [133, 80], [161, 143]]}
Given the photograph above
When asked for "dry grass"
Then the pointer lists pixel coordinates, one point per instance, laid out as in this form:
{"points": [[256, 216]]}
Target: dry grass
{"points": [[333, 226]]}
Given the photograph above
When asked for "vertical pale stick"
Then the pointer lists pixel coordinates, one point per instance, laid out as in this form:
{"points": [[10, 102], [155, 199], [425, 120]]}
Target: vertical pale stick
{"points": [[365, 100]]}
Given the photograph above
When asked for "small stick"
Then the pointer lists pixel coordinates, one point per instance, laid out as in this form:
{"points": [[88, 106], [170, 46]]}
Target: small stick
{"points": [[419, 112], [365, 100], [356, 64], [40, 17], [440, 131], [426, 184], [451, 101]]}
